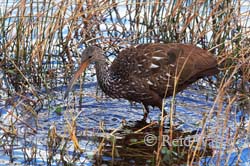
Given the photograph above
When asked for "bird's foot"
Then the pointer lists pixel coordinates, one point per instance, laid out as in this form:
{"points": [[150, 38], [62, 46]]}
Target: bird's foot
{"points": [[144, 119], [141, 123]]}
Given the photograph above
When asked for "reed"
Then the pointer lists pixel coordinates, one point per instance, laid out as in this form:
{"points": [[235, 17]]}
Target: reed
{"points": [[41, 41]]}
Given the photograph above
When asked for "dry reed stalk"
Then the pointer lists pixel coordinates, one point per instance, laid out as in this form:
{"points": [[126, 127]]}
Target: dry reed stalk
{"points": [[34, 35]]}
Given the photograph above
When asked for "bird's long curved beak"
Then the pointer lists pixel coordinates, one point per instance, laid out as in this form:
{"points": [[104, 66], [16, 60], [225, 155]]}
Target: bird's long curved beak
{"points": [[82, 68]]}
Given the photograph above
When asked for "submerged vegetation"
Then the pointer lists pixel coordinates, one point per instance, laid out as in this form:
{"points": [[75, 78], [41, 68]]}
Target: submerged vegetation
{"points": [[40, 44]]}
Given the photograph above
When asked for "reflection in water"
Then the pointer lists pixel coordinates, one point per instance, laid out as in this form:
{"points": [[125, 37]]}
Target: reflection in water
{"points": [[104, 136], [133, 146]]}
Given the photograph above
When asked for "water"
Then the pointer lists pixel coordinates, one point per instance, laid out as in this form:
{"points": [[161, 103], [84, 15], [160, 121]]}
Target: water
{"points": [[97, 117], [27, 140]]}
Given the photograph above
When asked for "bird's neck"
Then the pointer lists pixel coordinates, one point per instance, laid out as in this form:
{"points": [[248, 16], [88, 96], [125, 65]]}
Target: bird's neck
{"points": [[104, 76]]}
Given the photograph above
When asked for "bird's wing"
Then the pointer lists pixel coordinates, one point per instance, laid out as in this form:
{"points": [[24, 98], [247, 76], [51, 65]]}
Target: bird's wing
{"points": [[141, 61], [161, 64]]}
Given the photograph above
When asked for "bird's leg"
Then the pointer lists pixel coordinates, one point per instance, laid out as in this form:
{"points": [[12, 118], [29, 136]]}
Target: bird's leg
{"points": [[143, 122], [164, 113], [146, 111], [161, 107]]}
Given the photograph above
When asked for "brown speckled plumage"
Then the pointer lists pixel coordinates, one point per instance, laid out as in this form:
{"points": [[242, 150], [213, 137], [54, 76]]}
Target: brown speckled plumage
{"points": [[147, 73]]}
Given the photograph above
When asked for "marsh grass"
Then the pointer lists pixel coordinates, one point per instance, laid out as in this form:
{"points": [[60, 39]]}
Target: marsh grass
{"points": [[40, 43]]}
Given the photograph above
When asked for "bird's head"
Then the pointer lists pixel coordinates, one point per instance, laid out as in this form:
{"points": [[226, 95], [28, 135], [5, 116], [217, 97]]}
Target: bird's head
{"points": [[91, 54]]}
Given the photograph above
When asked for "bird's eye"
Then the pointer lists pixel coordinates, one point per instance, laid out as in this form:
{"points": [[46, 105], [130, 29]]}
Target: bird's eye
{"points": [[90, 57]]}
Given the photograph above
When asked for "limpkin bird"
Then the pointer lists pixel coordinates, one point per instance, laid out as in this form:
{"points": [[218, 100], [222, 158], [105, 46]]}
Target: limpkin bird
{"points": [[147, 73]]}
